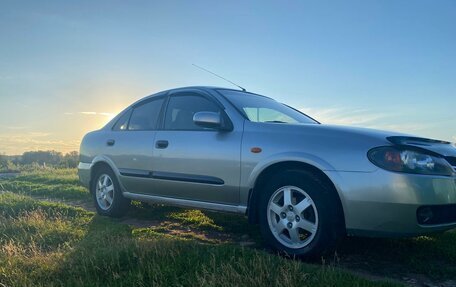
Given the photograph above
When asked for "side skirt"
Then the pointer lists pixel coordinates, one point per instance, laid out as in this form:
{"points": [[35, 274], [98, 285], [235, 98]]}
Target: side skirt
{"points": [[186, 203]]}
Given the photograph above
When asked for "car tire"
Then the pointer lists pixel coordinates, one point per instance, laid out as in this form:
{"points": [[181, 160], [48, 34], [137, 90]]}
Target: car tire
{"points": [[107, 194], [298, 215]]}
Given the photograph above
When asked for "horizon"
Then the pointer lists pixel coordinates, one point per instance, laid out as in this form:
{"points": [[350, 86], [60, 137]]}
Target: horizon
{"points": [[68, 68]]}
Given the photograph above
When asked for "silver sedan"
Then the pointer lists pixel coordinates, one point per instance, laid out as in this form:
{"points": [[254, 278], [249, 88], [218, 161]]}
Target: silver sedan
{"points": [[307, 184]]}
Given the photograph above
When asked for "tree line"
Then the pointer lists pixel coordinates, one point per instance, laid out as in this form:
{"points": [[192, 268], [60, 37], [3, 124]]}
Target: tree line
{"points": [[49, 158]]}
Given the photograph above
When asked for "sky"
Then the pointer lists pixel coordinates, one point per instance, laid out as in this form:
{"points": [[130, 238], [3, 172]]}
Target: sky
{"points": [[67, 67]]}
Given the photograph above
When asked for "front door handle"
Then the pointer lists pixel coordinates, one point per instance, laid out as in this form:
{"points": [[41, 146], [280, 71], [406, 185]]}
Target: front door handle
{"points": [[110, 142], [161, 144]]}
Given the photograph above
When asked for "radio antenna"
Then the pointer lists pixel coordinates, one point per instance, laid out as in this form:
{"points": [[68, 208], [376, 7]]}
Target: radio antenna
{"points": [[206, 70]]}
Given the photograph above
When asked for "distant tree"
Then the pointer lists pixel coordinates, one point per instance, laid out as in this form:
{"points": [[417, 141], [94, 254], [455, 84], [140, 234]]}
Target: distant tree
{"points": [[6, 165], [70, 159], [49, 158], [42, 157], [3, 162], [16, 159]]}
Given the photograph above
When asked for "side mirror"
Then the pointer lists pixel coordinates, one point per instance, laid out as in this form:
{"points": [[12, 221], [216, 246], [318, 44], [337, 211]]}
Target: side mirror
{"points": [[208, 120]]}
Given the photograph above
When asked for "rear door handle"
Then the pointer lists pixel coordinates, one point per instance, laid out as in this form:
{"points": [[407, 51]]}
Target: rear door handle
{"points": [[161, 144], [110, 142]]}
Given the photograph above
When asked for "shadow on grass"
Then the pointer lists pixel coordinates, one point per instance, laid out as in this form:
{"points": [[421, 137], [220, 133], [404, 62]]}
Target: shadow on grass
{"points": [[151, 240], [111, 255], [203, 226], [431, 256], [106, 252]]}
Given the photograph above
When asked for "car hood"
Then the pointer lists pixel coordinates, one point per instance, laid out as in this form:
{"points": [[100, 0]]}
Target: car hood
{"points": [[440, 147], [358, 131], [365, 137]]}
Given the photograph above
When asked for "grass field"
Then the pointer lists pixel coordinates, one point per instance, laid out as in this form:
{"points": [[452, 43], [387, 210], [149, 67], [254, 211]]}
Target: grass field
{"points": [[50, 236]]}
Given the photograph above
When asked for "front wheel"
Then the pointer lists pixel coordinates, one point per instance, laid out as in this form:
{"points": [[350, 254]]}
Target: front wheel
{"points": [[298, 214], [107, 194]]}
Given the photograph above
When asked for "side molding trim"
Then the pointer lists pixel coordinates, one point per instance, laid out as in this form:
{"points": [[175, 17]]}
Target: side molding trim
{"points": [[171, 176]]}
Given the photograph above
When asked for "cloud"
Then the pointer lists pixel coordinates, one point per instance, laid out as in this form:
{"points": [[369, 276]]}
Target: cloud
{"points": [[366, 118], [344, 116], [37, 134], [16, 128], [102, 117], [105, 114], [20, 142], [404, 127]]}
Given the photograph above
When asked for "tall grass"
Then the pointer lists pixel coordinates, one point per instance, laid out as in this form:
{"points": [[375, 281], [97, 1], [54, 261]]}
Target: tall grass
{"points": [[55, 244], [51, 183], [50, 244]]}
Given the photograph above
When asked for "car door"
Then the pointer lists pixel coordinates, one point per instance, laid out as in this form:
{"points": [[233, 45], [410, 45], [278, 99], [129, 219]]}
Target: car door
{"points": [[131, 144], [192, 162]]}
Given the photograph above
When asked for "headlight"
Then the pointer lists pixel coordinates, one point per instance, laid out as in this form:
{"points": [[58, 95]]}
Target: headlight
{"points": [[409, 161]]}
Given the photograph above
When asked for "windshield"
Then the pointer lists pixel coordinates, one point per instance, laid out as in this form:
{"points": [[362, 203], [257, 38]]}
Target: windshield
{"points": [[262, 109]]}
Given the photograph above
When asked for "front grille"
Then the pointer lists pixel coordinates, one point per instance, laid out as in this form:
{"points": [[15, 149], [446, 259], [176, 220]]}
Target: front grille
{"points": [[436, 214]]}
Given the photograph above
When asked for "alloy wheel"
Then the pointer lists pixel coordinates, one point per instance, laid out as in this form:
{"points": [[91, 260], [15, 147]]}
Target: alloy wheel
{"points": [[105, 192], [292, 217]]}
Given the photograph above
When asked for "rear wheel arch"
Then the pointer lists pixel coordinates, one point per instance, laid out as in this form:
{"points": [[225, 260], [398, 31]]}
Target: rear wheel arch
{"points": [[267, 173], [104, 184], [97, 166]]}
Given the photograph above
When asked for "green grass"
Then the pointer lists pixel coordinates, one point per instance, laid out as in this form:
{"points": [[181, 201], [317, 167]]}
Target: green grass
{"points": [[52, 176], [200, 225], [55, 244], [52, 244], [433, 256], [61, 184]]}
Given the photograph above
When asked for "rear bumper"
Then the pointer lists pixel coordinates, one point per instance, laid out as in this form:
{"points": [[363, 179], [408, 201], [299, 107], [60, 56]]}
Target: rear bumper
{"points": [[383, 203], [84, 173]]}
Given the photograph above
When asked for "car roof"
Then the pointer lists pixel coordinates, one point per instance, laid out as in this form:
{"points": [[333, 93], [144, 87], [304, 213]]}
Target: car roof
{"points": [[201, 88], [204, 88]]}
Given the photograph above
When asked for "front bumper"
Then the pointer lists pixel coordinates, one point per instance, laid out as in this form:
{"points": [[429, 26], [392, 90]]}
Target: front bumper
{"points": [[383, 203], [84, 173]]}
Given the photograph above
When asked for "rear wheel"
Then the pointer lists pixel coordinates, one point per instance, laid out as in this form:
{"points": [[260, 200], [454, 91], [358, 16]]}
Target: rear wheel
{"points": [[298, 214], [107, 194]]}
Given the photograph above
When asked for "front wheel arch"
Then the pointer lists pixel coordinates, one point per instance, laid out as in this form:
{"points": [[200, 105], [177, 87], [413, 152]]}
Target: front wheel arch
{"points": [[267, 173], [298, 215]]}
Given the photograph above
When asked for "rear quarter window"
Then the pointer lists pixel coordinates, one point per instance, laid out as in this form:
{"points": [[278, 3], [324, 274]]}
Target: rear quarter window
{"points": [[122, 122], [145, 116]]}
